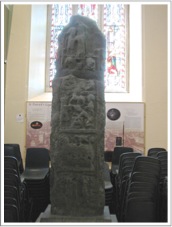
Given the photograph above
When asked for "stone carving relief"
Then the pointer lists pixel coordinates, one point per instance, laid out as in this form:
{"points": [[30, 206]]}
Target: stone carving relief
{"points": [[76, 152], [78, 120], [81, 49], [77, 104], [75, 40]]}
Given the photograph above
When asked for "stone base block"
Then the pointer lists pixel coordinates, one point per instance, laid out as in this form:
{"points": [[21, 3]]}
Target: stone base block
{"points": [[48, 217]]}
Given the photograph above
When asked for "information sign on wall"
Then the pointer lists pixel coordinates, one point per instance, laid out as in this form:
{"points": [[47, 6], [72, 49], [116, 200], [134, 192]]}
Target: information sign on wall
{"points": [[124, 126], [38, 124]]}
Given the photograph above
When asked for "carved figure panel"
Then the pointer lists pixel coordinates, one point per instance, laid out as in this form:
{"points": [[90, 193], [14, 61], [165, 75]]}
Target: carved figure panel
{"points": [[77, 104], [81, 47]]}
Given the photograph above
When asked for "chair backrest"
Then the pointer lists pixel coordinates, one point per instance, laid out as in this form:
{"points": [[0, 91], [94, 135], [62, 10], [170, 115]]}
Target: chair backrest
{"points": [[147, 164], [143, 177], [141, 186], [16, 154], [37, 158], [127, 160], [154, 150], [118, 151], [11, 191], [127, 157], [108, 156], [9, 151], [11, 213], [10, 200], [11, 163], [163, 157], [140, 210], [143, 194], [12, 179]]}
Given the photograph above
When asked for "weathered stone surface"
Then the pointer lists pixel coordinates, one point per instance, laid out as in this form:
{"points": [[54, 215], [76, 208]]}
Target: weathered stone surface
{"points": [[78, 120], [48, 217]]}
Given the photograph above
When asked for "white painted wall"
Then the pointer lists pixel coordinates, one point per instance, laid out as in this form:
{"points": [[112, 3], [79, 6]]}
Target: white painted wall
{"points": [[17, 71], [155, 75]]}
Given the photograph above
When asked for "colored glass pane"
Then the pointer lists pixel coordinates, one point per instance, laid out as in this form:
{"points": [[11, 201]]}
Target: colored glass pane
{"points": [[114, 28], [115, 31], [88, 11], [61, 14]]}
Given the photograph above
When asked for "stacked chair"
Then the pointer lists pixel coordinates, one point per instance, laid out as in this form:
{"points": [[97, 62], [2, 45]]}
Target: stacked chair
{"points": [[125, 168], [163, 200], [108, 156], [140, 186], [142, 203], [118, 151], [163, 157], [36, 176], [115, 160], [154, 150], [17, 206], [12, 149]]}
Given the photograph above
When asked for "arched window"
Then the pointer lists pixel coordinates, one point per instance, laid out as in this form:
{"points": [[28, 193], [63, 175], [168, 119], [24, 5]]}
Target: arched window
{"points": [[113, 20]]}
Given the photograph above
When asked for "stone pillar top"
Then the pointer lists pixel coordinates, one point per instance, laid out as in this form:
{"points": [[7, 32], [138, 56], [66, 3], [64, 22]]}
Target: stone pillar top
{"points": [[81, 47]]}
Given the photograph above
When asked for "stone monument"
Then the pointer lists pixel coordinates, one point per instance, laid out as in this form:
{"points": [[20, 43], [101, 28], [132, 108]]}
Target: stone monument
{"points": [[78, 121]]}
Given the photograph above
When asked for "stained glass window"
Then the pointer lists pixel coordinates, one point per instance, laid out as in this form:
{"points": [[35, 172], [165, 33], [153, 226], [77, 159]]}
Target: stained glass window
{"points": [[90, 11], [60, 17], [114, 27]]}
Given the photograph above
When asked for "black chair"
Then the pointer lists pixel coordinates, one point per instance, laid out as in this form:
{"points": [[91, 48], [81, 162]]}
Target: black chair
{"points": [[164, 201], [11, 169], [163, 157], [117, 153], [11, 213], [154, 150], [12, 192], [11, 205], [11, 162], [140, 210], [36, 175], [37, 158], [37, 164], [126, 160], [11, 179], [137, 186], [126, 164], [143, 189], [144, 177], [16, 154], [148, 165], [108, 156]]}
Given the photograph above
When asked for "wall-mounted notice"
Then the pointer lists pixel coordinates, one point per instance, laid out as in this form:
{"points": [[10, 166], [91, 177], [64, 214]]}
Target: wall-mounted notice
{"points": [[38, 124], [124, 126]]}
